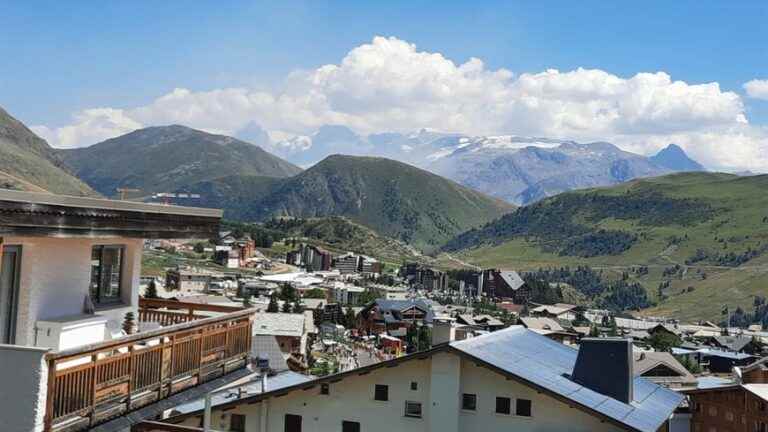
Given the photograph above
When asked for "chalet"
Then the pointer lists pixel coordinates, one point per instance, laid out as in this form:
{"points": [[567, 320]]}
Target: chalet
{"points": [[512, 379], [483, 321], [278, 337], [558, 311], [663, 369], [550, 328], [504, 284], [189, 281], [79, 347], [737, 344], [742, 406], [394, 316]]}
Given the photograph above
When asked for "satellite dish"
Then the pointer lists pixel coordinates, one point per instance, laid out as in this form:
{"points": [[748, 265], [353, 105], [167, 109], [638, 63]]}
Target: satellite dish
{"points": [[737, 372]]}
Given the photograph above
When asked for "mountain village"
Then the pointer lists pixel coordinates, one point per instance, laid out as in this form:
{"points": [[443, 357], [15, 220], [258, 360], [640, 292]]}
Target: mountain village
{"points": [[317, 341], [305, 216]]}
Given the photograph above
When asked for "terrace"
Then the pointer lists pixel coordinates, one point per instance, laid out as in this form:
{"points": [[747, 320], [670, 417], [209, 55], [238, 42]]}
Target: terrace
{"points": [[92, 384], [69, 285]]}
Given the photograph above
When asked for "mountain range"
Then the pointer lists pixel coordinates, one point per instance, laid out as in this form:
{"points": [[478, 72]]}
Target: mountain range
{"points": [[694, 241], [519, 170], [167, 158], [28, 163], [391, 197]]}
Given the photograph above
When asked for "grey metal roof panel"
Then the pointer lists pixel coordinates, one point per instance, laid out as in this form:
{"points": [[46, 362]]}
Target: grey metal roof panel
{"points": [[549, 364]]}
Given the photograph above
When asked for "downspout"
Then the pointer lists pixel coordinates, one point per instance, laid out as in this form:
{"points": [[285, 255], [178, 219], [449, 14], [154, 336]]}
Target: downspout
{"points": [[207, 414]]}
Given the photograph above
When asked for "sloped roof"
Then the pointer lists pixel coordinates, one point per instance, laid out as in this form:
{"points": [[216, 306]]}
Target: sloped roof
{"points": [[402, 305], [648, 360], [278, 324], [733, 343], [555, 309], [512, 279], [480, 320], [546, 364], [535, 361], [533, 323]]}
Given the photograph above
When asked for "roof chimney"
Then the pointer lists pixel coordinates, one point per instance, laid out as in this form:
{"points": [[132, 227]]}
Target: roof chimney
{"points": [[605, 366]]}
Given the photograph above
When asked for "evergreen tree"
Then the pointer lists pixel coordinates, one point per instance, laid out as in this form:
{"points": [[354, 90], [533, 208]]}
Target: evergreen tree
{"points": [[350, 318], [129, 323], [298, 308], [286, 307], [247, 299], [273, 305], [151, 291]]}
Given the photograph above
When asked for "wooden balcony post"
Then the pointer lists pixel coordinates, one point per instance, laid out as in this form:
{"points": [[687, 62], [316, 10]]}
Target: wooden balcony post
{"points": [[50, 390], [94, 371]]}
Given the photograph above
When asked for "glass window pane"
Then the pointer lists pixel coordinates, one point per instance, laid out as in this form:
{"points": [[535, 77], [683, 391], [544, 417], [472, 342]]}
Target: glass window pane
{"points": [[95, 273], [110, 289]]}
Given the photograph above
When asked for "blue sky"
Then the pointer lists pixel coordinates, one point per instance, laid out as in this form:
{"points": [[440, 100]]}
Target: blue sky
{"points": [[60, 58]]}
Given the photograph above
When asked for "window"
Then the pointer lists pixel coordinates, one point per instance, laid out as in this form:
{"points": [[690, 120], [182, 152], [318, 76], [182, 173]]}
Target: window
{"points": [[503, 405], [413, 409], [237, 423], [292, 423], [414, 385], [381, 393], [350, 426], [106, 274], [469, 402], [325, 389], [523, 408]]}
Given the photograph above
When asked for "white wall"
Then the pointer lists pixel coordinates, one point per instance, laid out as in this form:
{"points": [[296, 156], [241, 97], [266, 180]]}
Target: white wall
{"points": [[23, 380], [441, 380], [55, 275]]}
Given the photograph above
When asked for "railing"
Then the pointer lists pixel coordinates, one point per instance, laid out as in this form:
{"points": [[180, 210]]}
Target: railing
{"points": [[92, 384], [170, 312], [153, 426]]}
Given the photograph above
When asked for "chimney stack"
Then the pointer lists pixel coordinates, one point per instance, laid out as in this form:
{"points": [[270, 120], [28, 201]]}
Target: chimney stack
{"points": [[604, 365]]}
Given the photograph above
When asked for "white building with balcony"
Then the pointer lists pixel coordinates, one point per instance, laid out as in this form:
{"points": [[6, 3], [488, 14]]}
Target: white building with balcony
{"points": [[70, 273]]}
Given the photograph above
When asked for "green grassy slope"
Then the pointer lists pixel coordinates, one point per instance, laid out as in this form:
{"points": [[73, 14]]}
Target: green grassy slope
{"points": [[28, 163], [713, 226], [392, 198], [168, 158]]}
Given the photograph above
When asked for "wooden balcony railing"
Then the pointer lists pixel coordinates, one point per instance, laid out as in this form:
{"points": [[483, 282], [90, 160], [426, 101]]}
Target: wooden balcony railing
{"points": [[170, 312], [92, 384]]}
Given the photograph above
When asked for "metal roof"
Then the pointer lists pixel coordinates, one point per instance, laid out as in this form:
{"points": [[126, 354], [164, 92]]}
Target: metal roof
{"points": [[104, 204], [547, 364]]}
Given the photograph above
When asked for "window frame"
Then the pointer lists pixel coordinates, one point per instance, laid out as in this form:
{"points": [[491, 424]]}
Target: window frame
{"points": [[325, 389], [508, 405], [350, 423], [413, 403], [414, 386], [243, 422], [529, 402], [384, 388], [97, 299], [464, 397]]}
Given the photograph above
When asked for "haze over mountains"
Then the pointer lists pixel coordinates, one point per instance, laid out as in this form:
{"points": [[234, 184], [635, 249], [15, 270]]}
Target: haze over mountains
{"points": [[517, 169]]}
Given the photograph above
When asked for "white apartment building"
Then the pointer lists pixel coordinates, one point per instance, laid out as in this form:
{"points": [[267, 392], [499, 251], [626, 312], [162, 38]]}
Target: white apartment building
{"points": [[70, 273], [510, 380]]}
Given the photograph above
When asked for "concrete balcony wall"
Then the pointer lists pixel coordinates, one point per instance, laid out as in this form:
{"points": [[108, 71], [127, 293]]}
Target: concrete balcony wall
{"points": [[24, 376]]}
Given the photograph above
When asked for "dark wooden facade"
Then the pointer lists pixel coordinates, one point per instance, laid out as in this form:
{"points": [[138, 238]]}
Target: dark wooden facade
{"points": [[728, 409]]}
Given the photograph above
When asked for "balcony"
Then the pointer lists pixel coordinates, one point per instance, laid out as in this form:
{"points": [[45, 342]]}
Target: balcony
{"points": [[90, 385]]}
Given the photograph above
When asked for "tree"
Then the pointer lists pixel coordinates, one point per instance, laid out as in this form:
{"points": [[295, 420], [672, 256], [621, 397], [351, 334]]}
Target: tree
{"points": [[298, 308], [286, 307], [593, 331], [151, 291], [692, 365], [663, 341], [424, 338], [350, 318], [199, 247], [273, 305], [288, 293], [315, 293], [129, 323]]}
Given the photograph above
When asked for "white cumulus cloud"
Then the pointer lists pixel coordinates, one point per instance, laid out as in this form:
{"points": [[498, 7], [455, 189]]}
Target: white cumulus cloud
{"points": [[757, 89], [390, 85]]}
